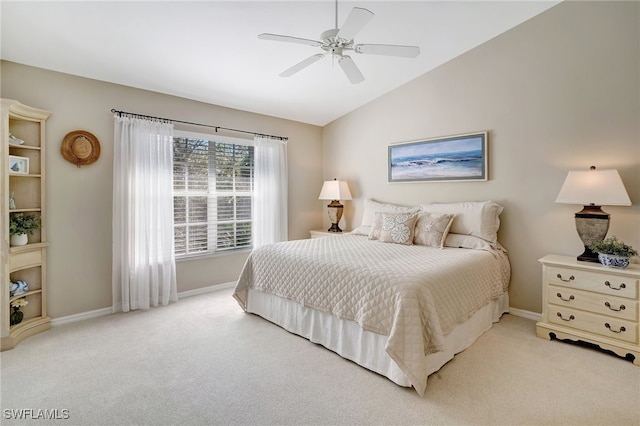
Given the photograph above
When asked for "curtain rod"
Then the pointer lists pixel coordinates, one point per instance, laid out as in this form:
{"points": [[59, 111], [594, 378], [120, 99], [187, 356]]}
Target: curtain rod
{"points": [[135, 115]]}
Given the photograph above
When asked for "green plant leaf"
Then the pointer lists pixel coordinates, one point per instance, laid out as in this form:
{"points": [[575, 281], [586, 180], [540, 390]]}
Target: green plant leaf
{"points": [[614, 247]]}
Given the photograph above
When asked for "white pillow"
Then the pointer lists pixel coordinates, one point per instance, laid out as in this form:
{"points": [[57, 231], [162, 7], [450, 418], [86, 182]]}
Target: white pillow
{"points": [[371, 207], [479, 219], [361, 230], [395, 228], [376, 228], [468, 242], [432, 229]]}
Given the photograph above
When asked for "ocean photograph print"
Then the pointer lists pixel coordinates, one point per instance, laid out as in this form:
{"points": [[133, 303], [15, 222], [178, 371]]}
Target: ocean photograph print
{"points": [[451, 158]]}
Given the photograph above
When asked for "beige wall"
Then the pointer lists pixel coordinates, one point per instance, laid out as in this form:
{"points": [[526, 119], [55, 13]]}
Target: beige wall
{"points": [[559, 92], [79, 200]]}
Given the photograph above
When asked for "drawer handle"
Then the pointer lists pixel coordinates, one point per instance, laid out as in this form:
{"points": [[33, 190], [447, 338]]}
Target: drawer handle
{"points": [[621, 308], [571, 278], [608, 284], [571, 317], [566, 300], [606, 324]]}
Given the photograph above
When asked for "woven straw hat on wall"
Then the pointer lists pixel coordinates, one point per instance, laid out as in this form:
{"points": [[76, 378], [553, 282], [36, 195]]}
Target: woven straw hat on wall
{"points": [[80, 148]]}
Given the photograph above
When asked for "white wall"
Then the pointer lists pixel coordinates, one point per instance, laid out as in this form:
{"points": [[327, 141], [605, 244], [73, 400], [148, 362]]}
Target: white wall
{"points": [[559, 92], [79, 202]]}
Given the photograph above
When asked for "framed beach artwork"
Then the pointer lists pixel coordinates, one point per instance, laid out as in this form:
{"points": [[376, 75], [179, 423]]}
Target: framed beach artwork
{"points": [[451, 158]]}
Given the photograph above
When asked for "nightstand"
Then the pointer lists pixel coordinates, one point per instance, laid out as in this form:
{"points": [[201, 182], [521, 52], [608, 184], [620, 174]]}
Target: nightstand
{"points": [[592, 303], [320, 233]]}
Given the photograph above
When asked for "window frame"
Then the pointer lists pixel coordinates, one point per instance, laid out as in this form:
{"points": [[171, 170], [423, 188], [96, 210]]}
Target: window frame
{"points": [[212, 197]]}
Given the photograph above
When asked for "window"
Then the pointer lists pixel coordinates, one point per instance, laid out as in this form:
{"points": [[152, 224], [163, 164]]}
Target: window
{"points": [[212, 193]]}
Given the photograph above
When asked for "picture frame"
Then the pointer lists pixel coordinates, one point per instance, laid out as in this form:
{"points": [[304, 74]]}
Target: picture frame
{"points": [[444, 159], [18, 165]]}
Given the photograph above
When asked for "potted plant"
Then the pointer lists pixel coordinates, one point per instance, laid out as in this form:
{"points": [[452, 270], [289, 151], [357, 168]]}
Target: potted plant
{"points": [[20, 225], [17, 315], [613, 252]]}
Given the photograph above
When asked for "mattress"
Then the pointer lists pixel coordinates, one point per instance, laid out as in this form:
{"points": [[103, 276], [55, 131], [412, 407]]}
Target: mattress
{"points": [[413, 295], [365, 348]]}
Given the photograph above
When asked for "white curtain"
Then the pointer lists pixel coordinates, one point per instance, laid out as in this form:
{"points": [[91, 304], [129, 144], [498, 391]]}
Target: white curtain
{"points": [[270, 191], [144, 269]]}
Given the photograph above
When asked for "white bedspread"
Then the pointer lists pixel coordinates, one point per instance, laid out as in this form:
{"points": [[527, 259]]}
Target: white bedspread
{"points": [[414, 294]]}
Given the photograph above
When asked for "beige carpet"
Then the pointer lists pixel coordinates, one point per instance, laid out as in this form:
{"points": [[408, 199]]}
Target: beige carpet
{"points": [[203, 361]]}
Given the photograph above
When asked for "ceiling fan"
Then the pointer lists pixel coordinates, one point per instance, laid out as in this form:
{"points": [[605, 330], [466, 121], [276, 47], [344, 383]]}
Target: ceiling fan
{"points": [[338, 41]]}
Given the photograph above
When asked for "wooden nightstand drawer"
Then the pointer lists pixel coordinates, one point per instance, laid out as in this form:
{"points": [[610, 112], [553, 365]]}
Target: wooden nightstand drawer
{"points": [[605, 326], [593, 302], [593, 281]]}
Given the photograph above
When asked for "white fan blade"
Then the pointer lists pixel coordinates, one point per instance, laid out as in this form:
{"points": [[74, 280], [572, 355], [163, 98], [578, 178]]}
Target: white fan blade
{"points": [[388, 50], [289, 39], [356, 20], [301, 65], [351, 70]]}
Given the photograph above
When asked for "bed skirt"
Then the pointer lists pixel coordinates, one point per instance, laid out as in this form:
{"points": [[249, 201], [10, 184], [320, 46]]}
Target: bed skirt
{"points": [[365, 348]]}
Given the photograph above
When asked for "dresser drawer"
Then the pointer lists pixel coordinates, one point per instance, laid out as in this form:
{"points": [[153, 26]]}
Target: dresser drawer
{"points": [[605, 304], [25, 260], [605, 326], [594, 281]]}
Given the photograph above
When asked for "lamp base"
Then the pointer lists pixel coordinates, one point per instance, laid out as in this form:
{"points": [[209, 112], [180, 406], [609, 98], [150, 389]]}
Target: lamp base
{"points": [[588, 256], [334, 228], [335, 214], [592, 225]]}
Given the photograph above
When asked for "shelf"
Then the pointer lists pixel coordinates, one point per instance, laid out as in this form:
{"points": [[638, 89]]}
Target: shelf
{"points": [[24, 175], [36, 209], [11, 146], [25, 294], [27, 324], [27, 247]]}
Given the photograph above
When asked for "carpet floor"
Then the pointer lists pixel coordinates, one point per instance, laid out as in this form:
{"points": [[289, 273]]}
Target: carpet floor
{"points": [[202, 361]]}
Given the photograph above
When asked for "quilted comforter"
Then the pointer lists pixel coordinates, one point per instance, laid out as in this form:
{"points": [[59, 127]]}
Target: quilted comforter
{"points": [[415, 295]]}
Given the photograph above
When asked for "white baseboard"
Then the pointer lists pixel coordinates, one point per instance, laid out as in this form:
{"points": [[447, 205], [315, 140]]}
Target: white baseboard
{"points": [[204, 290], [107, 311], [525, 314], [81, 316], [218, 287]]}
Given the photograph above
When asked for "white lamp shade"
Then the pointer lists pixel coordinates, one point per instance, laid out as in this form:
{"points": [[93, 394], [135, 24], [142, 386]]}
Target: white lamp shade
{"points": [[335, 190], [594, 187]]}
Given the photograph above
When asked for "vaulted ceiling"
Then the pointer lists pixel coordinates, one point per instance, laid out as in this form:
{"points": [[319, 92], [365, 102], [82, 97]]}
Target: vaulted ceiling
{"points": [[209, 50]]}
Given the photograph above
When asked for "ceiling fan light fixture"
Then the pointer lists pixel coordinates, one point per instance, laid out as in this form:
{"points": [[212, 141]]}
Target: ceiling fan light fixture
{"points": [[338, 40]]}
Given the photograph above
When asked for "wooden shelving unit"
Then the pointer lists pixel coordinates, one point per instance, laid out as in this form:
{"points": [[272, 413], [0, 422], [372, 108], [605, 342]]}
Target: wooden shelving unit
{"points": [[28, 262]]}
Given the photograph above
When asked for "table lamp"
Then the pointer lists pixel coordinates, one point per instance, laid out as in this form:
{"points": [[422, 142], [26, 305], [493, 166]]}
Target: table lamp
{"points": [[593, 189], [335, 190]]}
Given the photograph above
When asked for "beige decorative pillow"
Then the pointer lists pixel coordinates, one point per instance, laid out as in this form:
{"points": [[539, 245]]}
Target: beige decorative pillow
{"points": [[396, 228], [432, 229]]}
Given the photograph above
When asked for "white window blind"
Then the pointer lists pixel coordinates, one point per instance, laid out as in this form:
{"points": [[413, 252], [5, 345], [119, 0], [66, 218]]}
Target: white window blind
{"points": [[213, 193]]}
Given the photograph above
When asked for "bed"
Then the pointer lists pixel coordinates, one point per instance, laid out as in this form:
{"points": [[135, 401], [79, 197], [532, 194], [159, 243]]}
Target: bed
{"points": [[393, 303]]}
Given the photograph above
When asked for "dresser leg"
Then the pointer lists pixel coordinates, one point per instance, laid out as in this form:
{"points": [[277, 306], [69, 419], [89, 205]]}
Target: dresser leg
{"points": [[543, 332]]}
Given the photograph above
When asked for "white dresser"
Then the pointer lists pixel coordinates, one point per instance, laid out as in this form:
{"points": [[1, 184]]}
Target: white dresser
{"points": [[592, 303]]}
